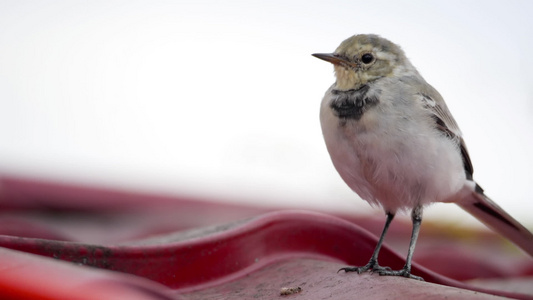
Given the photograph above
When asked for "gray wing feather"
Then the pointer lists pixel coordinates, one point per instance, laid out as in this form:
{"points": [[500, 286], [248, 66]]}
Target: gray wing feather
{"points": [[445, 123]]}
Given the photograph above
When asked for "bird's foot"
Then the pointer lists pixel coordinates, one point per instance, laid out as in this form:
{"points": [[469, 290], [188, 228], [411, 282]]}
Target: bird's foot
{"points": [[403, 272], [372, 266]]}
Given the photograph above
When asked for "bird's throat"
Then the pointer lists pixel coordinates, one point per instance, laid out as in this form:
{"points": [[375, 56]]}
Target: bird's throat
{"points": [[347, 79]]}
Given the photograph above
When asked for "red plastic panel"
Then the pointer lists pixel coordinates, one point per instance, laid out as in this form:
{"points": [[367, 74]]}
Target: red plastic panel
{"points": [[313, 279], [271, 250], [25, 276]]}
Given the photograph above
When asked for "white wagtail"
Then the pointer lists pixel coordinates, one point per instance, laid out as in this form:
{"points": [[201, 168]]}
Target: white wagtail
{"points": [[395, 143]]}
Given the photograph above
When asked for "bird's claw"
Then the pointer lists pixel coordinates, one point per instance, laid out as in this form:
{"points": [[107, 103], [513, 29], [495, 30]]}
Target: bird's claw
{"points": [[374, 267], [371, 266], [403, 272]]}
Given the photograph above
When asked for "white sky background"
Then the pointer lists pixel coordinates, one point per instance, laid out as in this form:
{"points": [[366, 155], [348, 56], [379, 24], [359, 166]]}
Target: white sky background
{"points": [[221, 98]]}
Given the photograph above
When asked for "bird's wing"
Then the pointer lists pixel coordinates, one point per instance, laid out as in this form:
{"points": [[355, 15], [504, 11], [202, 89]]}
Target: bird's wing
{"points": [[475, 201], [445, 123]]}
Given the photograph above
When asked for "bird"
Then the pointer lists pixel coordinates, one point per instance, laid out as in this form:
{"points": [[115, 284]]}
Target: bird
{"points": [[394, 142]]}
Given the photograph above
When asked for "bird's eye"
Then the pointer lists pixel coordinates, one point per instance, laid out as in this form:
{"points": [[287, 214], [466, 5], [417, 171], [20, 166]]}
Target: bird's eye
{"points": [[367, 58]]}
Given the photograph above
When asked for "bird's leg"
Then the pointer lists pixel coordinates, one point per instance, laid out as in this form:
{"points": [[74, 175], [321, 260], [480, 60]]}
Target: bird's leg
{"points": [[416, 216], [373, 263]]}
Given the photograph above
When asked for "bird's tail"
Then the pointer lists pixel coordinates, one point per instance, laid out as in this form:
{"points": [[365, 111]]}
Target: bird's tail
{"points": [[490, 214]]}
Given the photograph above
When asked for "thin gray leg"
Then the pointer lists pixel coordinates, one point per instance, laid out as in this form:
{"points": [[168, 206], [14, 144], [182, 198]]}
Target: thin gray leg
{"points": [[373, 263], [416, 217]]}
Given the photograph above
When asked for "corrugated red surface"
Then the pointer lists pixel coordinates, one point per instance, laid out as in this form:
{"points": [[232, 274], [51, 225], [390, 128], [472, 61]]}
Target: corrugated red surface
{"points": [[144, 246]]}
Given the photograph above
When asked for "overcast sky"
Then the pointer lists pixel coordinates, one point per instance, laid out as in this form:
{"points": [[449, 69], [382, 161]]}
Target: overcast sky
{"points": [[221, 98]]}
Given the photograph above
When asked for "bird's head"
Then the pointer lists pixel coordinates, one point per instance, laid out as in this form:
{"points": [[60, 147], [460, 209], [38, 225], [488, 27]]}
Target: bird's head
{"points": [[363, 58]]}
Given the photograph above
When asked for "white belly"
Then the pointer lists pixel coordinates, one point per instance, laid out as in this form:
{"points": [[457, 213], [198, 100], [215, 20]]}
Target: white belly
{"points": [[391, 160]]}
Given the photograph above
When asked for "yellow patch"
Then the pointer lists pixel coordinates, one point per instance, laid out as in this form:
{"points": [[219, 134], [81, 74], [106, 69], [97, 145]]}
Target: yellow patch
{"points": [[346, 79]]}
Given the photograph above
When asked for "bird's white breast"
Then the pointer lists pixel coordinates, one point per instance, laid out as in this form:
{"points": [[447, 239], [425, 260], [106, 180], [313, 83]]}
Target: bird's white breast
{"points": [[393, 156]]}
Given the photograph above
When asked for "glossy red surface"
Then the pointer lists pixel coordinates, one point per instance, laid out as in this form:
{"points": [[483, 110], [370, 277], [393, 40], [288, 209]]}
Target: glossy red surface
{"points": [[163, 247]]}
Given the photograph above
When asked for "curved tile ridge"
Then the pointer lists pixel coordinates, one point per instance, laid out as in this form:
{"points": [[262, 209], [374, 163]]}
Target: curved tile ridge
{"points": [[206, 257], [27, 276]]}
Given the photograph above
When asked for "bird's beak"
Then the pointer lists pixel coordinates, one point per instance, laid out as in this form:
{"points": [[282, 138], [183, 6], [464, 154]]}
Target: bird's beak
{"points": [[335, 59]]}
